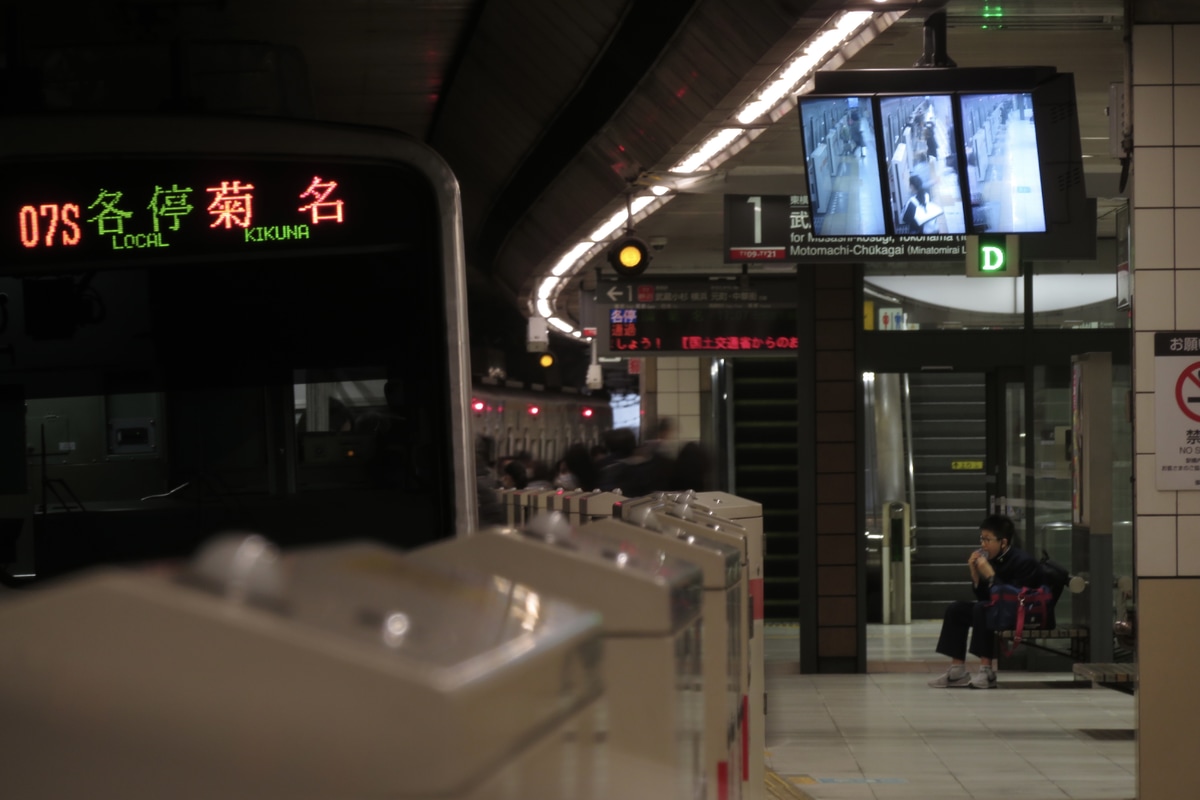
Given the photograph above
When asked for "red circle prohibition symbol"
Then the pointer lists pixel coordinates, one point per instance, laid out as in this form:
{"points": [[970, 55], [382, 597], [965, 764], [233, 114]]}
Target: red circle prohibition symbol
{"points": [[1188, 379]]}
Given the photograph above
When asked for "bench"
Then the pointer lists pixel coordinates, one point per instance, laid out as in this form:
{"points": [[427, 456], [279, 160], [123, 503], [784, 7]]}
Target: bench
{"points": [[1122, 677], [1077, 640]]}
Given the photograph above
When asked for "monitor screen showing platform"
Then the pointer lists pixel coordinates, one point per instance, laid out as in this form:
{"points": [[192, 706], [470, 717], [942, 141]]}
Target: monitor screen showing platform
{"points": [[930, 153], [841, 159], [1002, 165], [922, 157]]}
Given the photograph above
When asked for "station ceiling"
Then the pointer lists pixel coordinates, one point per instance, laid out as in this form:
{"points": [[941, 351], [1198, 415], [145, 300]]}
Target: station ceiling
{"points": [[546, 110]]}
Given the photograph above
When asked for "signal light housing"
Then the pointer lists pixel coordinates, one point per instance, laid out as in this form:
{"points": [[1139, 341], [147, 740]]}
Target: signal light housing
{"points": [[629, 256]]}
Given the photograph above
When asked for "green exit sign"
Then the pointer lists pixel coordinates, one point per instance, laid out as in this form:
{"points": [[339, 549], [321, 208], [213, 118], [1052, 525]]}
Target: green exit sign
{"points": [[993, 256]]}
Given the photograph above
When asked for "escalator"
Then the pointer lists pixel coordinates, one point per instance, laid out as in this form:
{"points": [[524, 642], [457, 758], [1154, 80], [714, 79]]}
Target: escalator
{"points": [[766, 469], [949, 428]]}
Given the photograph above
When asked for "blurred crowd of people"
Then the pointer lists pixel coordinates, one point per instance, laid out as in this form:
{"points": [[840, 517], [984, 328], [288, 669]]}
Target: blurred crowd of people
{"points": [[621, 464]]}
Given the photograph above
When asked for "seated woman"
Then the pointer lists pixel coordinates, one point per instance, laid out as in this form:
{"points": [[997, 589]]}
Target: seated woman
{"points": [[998, 560]]}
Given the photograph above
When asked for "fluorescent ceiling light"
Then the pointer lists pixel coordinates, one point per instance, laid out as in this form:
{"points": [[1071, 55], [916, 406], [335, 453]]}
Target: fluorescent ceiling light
{"points": [[807, 62], [715, 144], [569, 258], [547, 288], [720, 146]]}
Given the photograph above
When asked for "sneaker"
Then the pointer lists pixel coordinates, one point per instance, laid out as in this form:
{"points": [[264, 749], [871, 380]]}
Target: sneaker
{"points": [[985, 678], [956, 677]]}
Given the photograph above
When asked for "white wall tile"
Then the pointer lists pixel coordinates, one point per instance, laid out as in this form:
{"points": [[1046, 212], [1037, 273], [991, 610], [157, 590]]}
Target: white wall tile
{"points": [[668, 380], [1149, 499], [668, 362], [689, 380], [1188, 545], [1154, 300], [668, 403], [1143, 404], [689, 427], [1186, 502], [1187, 116], [1187, 307], [689, 403], [1151, 54], [1153, 238], [1186, 50], [689, 362], [1154, 176], [1152, 118], [1185, 246], [1155, 545], [1187, 177], [1143, 364]]}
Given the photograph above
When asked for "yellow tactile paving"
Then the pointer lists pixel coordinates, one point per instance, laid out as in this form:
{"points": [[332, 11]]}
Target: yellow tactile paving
{"points": [[780, 788]]}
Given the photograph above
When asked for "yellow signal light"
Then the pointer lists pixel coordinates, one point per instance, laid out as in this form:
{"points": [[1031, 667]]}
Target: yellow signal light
{"points": [[629, 256]]}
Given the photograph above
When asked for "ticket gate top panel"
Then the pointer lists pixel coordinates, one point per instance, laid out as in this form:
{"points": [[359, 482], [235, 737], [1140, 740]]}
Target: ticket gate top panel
{"points": [[177, 684], [719, 562], [596, 504], [463, 615], [729, 506], [634, 595]]}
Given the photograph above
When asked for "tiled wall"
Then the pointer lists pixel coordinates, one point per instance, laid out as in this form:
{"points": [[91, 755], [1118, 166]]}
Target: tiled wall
{"points": [[1166, 217], [676, 388]]}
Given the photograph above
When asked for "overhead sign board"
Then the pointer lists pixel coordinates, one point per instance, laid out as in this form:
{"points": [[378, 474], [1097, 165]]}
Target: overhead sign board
{"points": [[779, 228], [1177, 410], [696, 316]]}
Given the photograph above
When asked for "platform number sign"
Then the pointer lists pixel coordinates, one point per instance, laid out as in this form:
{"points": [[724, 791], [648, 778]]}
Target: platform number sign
{"points": [[756, 228], [1177, 410]]}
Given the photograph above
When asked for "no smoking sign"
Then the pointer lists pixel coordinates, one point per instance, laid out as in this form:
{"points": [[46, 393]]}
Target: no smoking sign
{"points": [[1177, 410], [1187, 391]]}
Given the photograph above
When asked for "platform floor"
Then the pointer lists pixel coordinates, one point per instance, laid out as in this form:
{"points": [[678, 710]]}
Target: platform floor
{"points": [[886, 735]]}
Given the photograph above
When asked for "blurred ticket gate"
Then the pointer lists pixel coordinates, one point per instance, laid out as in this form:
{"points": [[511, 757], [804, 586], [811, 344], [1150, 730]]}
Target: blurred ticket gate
{"points": [[697, 518], [749, 514], [738, 524], [342, 671], [723, 636], [652, 638], [682, 510]]}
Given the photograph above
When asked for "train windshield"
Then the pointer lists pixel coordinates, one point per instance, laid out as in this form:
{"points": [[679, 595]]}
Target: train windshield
{"points": [[196, 344]]}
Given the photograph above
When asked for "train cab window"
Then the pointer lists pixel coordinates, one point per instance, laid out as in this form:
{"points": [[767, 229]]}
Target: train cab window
{"points": [[230, 324]]}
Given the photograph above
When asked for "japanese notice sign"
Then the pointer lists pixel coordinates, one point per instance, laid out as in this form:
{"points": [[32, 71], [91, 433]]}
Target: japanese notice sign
{"points": [[779, 228], [1177, 410], [715, 316]]}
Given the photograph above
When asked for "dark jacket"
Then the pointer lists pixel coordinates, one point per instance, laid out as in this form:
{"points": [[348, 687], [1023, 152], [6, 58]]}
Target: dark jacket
{"points": [[1016, 568]]}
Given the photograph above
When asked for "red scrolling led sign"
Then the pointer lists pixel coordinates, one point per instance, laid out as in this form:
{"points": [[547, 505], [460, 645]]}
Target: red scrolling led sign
{"points": [[730, 330], [126, 221]]}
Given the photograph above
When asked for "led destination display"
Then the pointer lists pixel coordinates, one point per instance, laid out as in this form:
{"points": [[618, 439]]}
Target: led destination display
{"points": [[117, 212]]}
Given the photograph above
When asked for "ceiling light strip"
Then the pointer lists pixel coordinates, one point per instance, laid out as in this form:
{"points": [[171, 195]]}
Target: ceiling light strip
{"points": [[829, 49]]}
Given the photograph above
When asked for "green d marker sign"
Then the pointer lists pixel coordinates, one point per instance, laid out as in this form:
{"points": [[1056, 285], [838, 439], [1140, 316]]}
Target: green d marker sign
{"points": [[993, 256]]}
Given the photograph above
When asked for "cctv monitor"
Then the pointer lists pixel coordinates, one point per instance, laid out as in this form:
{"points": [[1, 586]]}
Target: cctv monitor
{"points": [[845, 189], [921, 153], [1004, 172]]}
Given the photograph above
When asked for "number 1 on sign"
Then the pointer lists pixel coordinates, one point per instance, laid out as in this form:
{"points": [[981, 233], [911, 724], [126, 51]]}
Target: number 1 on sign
{"points": [[757, 201]]}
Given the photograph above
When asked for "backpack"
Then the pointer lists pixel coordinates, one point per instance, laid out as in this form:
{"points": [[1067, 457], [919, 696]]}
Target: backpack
{"points": [[1054, 575]]}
